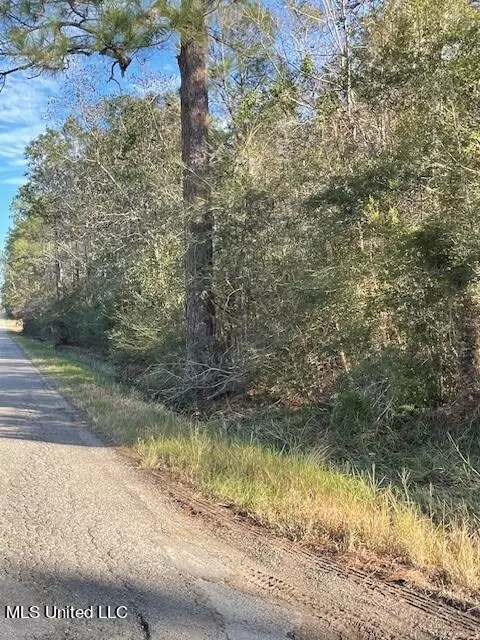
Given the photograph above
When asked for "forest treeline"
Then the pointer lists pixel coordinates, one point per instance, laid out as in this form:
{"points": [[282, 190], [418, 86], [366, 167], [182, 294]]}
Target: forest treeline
{"points": [[343, 202]]}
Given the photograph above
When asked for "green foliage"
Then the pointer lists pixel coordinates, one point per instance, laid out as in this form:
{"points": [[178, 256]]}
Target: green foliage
{"points": [[346, 195], [46, 35], [80, 180], [352, 414]]}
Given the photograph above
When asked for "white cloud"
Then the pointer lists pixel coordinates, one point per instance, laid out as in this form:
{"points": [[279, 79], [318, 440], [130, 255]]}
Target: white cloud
{"points": [[15, 180], [23, 102], [19, 162]]}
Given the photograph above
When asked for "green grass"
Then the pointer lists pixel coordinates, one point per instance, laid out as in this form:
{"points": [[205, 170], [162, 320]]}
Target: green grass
{"points": [[438, 471], [299, 495]]}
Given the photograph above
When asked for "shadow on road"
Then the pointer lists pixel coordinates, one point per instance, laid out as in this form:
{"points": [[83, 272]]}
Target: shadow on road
{"points": [[29, 409], [142, 612]]}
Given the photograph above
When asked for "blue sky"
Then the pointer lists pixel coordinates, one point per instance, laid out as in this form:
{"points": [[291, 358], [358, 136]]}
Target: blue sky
{"points": [[22, 103], [29, 105]]}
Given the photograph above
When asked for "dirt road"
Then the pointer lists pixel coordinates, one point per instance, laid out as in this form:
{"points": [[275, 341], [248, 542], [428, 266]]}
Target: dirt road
{"points": [[97, 550]]}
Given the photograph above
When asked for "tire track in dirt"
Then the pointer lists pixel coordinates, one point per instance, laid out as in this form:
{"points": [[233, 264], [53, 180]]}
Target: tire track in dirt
{"points": [[435, 616]]}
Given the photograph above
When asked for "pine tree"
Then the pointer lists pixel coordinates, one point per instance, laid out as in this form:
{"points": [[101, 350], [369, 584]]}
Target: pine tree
{"points": [[42, 36]]}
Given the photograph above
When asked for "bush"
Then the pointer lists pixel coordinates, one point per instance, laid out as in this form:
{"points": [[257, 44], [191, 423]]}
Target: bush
{"points": [[70, 320]]}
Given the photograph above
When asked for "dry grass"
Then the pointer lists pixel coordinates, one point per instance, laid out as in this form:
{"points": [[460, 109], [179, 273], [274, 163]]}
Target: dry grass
{"points": [[14, 326], [297, 495], [304, 500]]}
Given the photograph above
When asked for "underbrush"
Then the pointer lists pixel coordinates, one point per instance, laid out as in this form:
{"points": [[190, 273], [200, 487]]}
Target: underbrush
{"points": [[298, 493], [436, 468]]}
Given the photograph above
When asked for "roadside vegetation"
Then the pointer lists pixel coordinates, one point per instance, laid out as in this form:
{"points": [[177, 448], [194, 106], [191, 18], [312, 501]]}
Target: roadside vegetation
{"points": [[302, 495]]}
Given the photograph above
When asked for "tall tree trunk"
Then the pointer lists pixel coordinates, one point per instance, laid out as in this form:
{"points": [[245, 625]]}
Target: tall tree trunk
{"points": [[58, 270], [199, 308]]}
